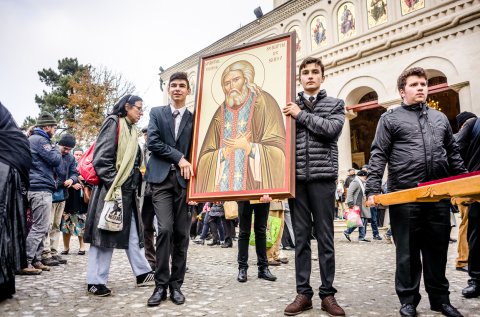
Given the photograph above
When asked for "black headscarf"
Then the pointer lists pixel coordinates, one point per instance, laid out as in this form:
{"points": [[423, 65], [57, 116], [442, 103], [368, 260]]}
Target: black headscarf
{"points": [[119, 108], [14, 145]]}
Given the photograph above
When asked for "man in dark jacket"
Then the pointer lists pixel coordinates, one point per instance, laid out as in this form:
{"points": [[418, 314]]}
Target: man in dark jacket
{"points": [[65, 176], [319, 121], [168, 171], [465, 122], [45, 157], [418, 145], [468, 139]]}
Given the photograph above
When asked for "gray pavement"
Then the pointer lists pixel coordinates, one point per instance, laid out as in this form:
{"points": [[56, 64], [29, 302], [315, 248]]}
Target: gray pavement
{"points": [[364, 280]]}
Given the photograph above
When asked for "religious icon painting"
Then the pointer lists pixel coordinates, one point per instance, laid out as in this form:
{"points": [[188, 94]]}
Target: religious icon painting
{"points": [[377, 12], [409, 6], [243, 146], [318, 32], [298, 37], [346, 21]]}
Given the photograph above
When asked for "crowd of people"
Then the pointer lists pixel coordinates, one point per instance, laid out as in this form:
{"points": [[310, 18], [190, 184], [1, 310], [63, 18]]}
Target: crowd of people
{"points": [[138, 201]]}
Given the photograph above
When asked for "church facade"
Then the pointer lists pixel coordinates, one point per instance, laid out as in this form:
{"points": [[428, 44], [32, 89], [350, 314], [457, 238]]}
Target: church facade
{"points": [[365, 45]]}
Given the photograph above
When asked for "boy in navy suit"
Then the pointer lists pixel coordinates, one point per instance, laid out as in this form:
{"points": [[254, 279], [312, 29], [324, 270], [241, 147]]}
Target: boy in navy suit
{"points": [[169, 140]]}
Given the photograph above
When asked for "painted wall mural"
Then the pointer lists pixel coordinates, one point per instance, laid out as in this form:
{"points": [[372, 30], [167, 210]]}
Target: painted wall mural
{"points": [[346, 21], [377, 12], [318, 32]]}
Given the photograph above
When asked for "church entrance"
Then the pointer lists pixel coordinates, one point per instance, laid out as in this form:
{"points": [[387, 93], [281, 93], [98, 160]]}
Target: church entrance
{"points": [[363, 127], [442, 98]]}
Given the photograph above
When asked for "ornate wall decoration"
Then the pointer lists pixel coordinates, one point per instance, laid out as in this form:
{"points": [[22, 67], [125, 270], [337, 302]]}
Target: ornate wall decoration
{"points": [[346, 21], [377, 12], [318, 32], [298, 40], [409, 6]]}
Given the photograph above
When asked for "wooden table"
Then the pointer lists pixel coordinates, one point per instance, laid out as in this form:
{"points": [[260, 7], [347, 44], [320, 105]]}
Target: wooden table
{"points": [[467, 187]]}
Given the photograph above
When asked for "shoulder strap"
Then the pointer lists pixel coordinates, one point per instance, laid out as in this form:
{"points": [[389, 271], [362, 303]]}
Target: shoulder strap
{"points": [[118, 128]]}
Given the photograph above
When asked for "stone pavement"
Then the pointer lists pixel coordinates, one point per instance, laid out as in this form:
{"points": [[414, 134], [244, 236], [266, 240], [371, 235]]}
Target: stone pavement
{"points": [[364, 279]]}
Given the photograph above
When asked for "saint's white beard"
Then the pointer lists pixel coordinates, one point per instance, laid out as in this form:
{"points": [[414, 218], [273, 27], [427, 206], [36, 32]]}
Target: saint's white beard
{"points": [[236, 99]]}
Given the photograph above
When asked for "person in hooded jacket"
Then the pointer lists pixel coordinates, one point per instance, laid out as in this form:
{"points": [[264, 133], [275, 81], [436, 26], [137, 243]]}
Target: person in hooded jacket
{"points": [[117, 159], [418, 144]]}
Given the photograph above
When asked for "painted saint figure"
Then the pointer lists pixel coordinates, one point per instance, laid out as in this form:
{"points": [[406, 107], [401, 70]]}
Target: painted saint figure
{"points": [[378, 9], [244, 147], [319, 32], [348, 21]]}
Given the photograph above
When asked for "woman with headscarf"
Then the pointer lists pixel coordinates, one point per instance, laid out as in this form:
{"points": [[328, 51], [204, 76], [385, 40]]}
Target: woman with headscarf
{"points": [[116, 159], [15, 164]]}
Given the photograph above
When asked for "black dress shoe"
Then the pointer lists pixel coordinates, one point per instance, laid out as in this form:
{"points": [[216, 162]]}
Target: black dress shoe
{"points": [[408, 310], [177, 297], [242, 275], [159, 294], [472, 290], [448, 310], [266, 275]]}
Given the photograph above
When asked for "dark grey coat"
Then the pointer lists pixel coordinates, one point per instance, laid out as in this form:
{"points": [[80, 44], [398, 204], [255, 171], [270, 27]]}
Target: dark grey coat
{"points": [[318, 131], [355, 197], [104, 158]]}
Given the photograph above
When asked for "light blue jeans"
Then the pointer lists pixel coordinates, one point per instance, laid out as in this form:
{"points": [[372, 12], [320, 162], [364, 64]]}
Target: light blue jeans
{"points": [[99, 259]]}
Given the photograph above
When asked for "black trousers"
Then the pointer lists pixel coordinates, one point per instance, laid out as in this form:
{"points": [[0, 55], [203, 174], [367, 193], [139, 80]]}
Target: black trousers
{"points": [[421, 232], [474, 242], [314, 200], [216, 226], [148, 229], [245, 210], [229, 229], [173, 231]]}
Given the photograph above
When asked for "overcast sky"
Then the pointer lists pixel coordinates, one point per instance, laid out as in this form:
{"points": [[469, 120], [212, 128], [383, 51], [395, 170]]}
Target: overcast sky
{"points": [[130, 37]]}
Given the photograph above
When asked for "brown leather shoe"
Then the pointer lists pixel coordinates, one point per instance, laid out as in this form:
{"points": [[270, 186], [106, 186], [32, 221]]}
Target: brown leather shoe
{"points": [[330, 305], [300, 304], [274, 263], [283, 260], [30, 270]]}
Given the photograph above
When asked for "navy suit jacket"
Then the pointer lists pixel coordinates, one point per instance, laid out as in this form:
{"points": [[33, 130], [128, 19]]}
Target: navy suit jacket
{"points": [[163, 146]]}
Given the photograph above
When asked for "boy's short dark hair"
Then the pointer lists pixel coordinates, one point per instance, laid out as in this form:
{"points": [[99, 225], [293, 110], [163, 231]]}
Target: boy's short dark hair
{"points": [[180, 76], [311, 60], [414, 71]]}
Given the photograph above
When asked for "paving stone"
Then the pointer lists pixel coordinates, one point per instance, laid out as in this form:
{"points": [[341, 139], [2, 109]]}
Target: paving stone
{"points": [[364, 279]]}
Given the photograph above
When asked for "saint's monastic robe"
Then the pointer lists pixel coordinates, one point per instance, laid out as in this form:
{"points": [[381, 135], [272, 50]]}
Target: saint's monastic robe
{"points": [[264, 167]]}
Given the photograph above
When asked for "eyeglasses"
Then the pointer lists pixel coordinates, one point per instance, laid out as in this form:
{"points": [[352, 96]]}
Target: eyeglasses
{"points": [[140, 109]]}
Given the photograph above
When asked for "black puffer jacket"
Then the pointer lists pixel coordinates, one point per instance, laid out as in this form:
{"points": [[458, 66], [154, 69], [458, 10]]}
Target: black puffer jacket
{"points": [[317, 133], [418, 145]]}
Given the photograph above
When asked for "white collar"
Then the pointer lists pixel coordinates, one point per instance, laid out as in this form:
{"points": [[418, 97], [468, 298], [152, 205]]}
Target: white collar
{"points": [[307, 96], [181, 110]]}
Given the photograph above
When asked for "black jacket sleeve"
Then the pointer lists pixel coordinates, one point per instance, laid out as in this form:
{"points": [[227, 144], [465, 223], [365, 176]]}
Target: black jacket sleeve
{"points": [[105, 152], [463, 137], [455, 161], [326, 128], [379, 153]]}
